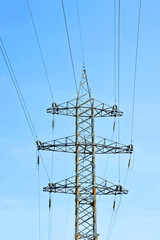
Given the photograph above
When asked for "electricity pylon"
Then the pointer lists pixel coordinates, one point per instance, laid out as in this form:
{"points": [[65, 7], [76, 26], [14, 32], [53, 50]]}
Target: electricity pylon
{"points": [[85, 144]]}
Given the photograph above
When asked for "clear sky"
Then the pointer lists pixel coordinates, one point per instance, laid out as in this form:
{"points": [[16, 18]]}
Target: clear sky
{"points": [[139, 214]]}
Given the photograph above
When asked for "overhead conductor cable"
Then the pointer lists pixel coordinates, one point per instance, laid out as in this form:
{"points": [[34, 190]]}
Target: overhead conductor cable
{"points": [[21, 98], [133, 105], [80, 32], [40, 49], [69, 45]]}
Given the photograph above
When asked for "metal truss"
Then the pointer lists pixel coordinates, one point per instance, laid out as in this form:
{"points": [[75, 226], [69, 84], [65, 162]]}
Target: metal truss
{"points": [[68, 145], [68, 186], [100, 109], [85, 144]]}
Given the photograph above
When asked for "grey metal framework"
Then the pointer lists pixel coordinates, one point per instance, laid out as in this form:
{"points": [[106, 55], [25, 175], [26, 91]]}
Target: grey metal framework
{"points": [[85, 144]]}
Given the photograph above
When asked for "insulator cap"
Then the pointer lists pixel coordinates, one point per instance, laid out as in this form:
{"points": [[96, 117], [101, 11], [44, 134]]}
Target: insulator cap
{"points": [[49, 203], [114, 124], [53, 123], [131, 147], [38, 160], [114, 204], [54, 104], [129, 163], [115, 107]]}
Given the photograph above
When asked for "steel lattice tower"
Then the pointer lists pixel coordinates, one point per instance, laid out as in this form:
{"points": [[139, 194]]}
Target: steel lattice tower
{"points": [[85, 144]]}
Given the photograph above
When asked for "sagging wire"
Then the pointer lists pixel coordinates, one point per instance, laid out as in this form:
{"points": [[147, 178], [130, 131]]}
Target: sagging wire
{"points": [[44, 166], [114, 213], [50, 195], [64, 235], [105, 170], [29, 121], [110, 224], [113, 216], [131, 159], [18, 90], [50, 217], [115, 65], [119, 25], [115, 62], [53, 124], [39, 202], [115, 210], [80, 33], [40, 49], [69, 45], [21, 98], [135, 70], [49, 84], [130, 166]]}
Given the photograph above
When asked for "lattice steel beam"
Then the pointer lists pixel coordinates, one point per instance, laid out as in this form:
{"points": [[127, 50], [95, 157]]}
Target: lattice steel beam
{"points": [[68, 186], [100, 109], [68, 145]]}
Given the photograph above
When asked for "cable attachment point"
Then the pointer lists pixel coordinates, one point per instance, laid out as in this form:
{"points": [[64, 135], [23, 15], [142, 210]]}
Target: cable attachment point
{"points": [[38, 142], [115, 107], [84, 71], [119, 188], [50, 185], [54, 104], [131, 147]]}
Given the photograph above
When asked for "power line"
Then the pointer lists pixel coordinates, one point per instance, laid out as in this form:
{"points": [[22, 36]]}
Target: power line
{"points": [[113, 217], [135, 70], [21, 98], [18, 90], [40, 49], [64, 235], [134, 87], [105, 170], [115, 62], [116, 74], [108, 234], [80, 32], [50, 219], [119, 25], [133, 106], [44, 166], [39, 202], [28, 118], [50, 196], [112, 225], [69, 45]]}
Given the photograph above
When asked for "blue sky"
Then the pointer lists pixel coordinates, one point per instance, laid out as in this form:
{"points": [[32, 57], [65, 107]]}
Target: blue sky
{"points": [[139, 213]]}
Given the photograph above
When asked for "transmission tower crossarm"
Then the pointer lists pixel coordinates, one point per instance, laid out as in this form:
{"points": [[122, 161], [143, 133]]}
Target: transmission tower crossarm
{"points": [[100, 109], [102, 187], [69, 145]]}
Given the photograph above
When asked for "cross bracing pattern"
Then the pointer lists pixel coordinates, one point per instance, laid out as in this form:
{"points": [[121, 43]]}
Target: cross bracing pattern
{"points": [[68, 145], [85, 144], [103, 187], [69, 108]]}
